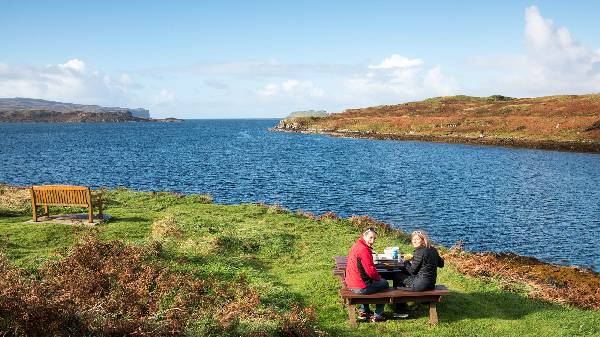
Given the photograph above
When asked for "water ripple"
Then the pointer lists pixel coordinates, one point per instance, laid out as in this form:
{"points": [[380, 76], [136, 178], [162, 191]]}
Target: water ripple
{"points": [[540, 203]]}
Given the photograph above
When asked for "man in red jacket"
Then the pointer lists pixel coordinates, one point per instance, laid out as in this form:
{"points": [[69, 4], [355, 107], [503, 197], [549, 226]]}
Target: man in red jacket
{"points": [[362, 276]]}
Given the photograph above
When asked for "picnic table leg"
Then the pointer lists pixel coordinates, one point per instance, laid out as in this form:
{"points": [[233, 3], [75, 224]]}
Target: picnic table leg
{"points": [[433, 317], [352, 314]]}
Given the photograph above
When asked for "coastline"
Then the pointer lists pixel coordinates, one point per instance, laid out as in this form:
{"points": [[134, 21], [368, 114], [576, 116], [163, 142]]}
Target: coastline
{"points": [[572, 285], [271, 269], [565, 146]]}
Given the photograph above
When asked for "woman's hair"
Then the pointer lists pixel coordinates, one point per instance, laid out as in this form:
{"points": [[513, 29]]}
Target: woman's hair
{"points": [[424, 237]]}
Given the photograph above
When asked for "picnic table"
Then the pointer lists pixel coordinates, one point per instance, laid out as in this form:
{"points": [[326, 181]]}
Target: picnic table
{"points": [[387, 269]]}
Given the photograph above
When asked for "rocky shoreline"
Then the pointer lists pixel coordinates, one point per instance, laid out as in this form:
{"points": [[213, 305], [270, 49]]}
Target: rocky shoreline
{"points": [[568, 146]]}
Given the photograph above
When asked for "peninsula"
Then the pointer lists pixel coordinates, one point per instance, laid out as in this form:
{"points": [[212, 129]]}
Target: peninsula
{"points": [[568, 122], [38, 110]]}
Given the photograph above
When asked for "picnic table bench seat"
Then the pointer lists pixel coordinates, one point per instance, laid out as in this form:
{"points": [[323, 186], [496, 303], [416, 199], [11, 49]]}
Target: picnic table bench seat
{"points": [[391, 296]]}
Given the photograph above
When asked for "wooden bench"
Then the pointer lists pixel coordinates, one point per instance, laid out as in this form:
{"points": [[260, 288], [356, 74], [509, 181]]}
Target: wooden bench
{"points": [[392, 296], [65, 195]]}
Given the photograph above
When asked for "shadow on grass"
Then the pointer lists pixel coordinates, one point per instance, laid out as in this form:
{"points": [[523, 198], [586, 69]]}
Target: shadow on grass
{"points": [[501, 305], [11, 214], [129, 219]]}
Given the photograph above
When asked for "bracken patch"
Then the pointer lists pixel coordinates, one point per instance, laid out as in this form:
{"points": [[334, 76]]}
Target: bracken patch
{"points": [[166, 227], [113, 289], [14, 199], [567, 285]]}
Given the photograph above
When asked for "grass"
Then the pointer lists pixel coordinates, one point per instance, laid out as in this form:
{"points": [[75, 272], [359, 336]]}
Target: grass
{"points": [[287, 258]]}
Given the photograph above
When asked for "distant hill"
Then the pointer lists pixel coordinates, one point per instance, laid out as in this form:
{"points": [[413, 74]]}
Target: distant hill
{"points": [[567, 122], [308, 113], [39, 110]]}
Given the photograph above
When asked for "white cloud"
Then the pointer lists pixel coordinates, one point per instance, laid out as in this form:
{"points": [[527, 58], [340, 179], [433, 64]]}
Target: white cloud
{"points": [[437, 82], [397, 79], [552, 62], [74, 64], [67, 82], [397, 61], [292, 88], [164, 97]]}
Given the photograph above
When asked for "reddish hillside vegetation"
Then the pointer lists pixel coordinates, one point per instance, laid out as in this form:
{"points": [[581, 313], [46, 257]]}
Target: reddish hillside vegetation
{"points": [[565, 122]]}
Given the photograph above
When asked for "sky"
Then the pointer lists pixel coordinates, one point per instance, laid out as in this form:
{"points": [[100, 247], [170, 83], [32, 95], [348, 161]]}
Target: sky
{"points": [[265, 59]]}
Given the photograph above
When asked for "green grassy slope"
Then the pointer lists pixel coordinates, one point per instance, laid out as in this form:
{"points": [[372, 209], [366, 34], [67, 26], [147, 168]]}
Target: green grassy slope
{"points": [[287, 257]]}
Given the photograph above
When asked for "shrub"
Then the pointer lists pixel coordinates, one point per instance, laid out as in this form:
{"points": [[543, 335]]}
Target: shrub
{"points": [[200, 198], [114, 289], [595, 126], [570, 285], [500, 98], [277, 209], [14, 200], [166, 227], [328, 215]]}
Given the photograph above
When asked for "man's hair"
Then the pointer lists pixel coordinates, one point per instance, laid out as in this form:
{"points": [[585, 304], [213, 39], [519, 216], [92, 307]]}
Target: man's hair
{"points": [[370, 229]]}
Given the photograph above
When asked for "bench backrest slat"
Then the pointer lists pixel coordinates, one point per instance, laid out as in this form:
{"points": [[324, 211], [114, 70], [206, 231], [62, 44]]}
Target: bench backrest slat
{"points": [[58, 195]]}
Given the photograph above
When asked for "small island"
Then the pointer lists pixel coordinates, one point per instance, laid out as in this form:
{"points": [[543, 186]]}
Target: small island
{"points": [[38, 110], [567, 123]]}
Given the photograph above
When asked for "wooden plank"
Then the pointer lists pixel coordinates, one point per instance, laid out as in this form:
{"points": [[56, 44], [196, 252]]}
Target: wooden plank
{"points": [[90, 209], [433, 317], [352, 315], [33, 210], [440, 290]]}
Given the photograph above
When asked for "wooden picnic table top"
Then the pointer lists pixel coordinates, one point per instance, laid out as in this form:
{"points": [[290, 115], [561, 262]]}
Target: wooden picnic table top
{"points": [[385, 266]]}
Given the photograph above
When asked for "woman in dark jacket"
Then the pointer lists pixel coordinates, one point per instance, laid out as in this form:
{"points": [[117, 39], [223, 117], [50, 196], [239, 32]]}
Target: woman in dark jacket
{"points": [[422, 270]]}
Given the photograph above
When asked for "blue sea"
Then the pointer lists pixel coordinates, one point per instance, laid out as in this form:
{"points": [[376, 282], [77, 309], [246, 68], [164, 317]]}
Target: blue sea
{"points": [[544, 204]]}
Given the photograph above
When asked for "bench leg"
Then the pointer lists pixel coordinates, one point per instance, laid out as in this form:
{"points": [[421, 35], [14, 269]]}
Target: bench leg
{"points": [[352, 314], [91, 213], [433, 317], [34, 213], [100, 213], [46, 211]]}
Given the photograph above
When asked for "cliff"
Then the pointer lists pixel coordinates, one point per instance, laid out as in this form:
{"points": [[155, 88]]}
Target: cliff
{"points": [[38, 110]]}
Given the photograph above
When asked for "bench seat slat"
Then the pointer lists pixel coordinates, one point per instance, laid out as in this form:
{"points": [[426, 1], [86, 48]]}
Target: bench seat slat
{"points": [[440, 290]]}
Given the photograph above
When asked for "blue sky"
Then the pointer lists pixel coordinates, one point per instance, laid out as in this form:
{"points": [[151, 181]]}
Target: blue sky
{"points": [[241, 59]]}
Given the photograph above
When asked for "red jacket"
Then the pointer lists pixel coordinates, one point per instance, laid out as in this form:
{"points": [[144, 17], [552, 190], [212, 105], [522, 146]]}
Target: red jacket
{"points": [[360, 270]]}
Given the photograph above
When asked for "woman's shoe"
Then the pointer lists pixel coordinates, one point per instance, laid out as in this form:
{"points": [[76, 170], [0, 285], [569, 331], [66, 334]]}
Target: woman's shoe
{"points": [[362, 315], [377, 318], [400, 315]]}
